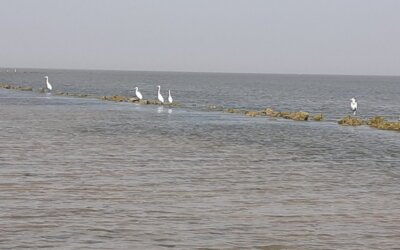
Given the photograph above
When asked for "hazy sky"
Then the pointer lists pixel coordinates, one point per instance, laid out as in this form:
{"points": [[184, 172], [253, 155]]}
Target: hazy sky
{"points": [[265, 36]]}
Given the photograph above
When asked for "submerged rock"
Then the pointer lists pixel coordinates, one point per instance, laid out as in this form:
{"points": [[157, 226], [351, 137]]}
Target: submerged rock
{"points": [[234, 111], [252, 113], [215, 108], [351, 121], [298, 116], [71, 94], [376, 121], [115, 98], [41, 90], [143, 101], [155, 102], [5, 86], [118, 98], [380, 123], [318, 117], [173, 104], [271, 112], [134, 99], [14, 87], [78, 95], [24, 88]]}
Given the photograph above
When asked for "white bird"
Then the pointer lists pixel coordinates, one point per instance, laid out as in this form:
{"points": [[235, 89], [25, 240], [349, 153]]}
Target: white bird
{"points": [[138, 94], [170, 97], [353, 105], [48, 85], [160, 97]]}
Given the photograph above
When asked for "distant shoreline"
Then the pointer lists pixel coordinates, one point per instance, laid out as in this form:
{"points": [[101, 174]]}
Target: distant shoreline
{"points": [[11, 70]]}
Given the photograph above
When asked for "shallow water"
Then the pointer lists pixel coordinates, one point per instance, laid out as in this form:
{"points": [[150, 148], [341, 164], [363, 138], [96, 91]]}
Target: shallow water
{"points": [[85, 173]]}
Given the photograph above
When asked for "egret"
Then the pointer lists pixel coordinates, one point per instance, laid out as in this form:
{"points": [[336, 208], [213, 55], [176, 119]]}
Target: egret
{"points": [[160, 97], [138, 94], [170, 97], [353, 105], [48, 85]]}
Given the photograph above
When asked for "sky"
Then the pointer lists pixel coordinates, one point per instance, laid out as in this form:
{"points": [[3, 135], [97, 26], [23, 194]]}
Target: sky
{"points": [[352, 37]]}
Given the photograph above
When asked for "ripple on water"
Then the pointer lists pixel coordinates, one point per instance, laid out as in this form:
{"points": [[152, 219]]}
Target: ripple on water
{"points": [[90, 174]]}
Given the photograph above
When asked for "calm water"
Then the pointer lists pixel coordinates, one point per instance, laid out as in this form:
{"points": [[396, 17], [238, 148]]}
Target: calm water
{"points": [[84, 173]]}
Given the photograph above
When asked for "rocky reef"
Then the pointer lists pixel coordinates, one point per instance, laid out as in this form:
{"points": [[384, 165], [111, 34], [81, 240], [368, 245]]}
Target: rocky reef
{"points": [[114, 98], [252, 113], [351, 121], [119, 98], [375, 122], [235, 111], [380, 123], [318, 117], [296, 116], [270, 112], [71, 94], [214, 108], [14, 87]]}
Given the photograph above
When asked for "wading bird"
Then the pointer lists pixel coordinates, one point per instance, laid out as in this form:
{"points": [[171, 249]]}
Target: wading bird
{"points": [[160, 97], [138, 94], [353, 105], [48, 85], [170, 97]]}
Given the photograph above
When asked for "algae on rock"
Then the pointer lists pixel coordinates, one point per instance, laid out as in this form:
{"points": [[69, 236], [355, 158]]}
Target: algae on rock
{"points": [[380, 123], [351, 121], [252, 113], [318, 117]]}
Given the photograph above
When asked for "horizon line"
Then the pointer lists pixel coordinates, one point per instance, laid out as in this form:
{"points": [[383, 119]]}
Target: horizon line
{"points": [[199, 72]]}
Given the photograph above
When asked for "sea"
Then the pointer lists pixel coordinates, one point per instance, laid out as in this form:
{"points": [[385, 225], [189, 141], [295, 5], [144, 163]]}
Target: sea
{"points": [[84, 173]]}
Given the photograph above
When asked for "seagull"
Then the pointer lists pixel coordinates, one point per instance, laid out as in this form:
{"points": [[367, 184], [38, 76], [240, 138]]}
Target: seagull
{"points": [[353, 105], [170, 97], [48, 85], [160, 98], [138, 94]]}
